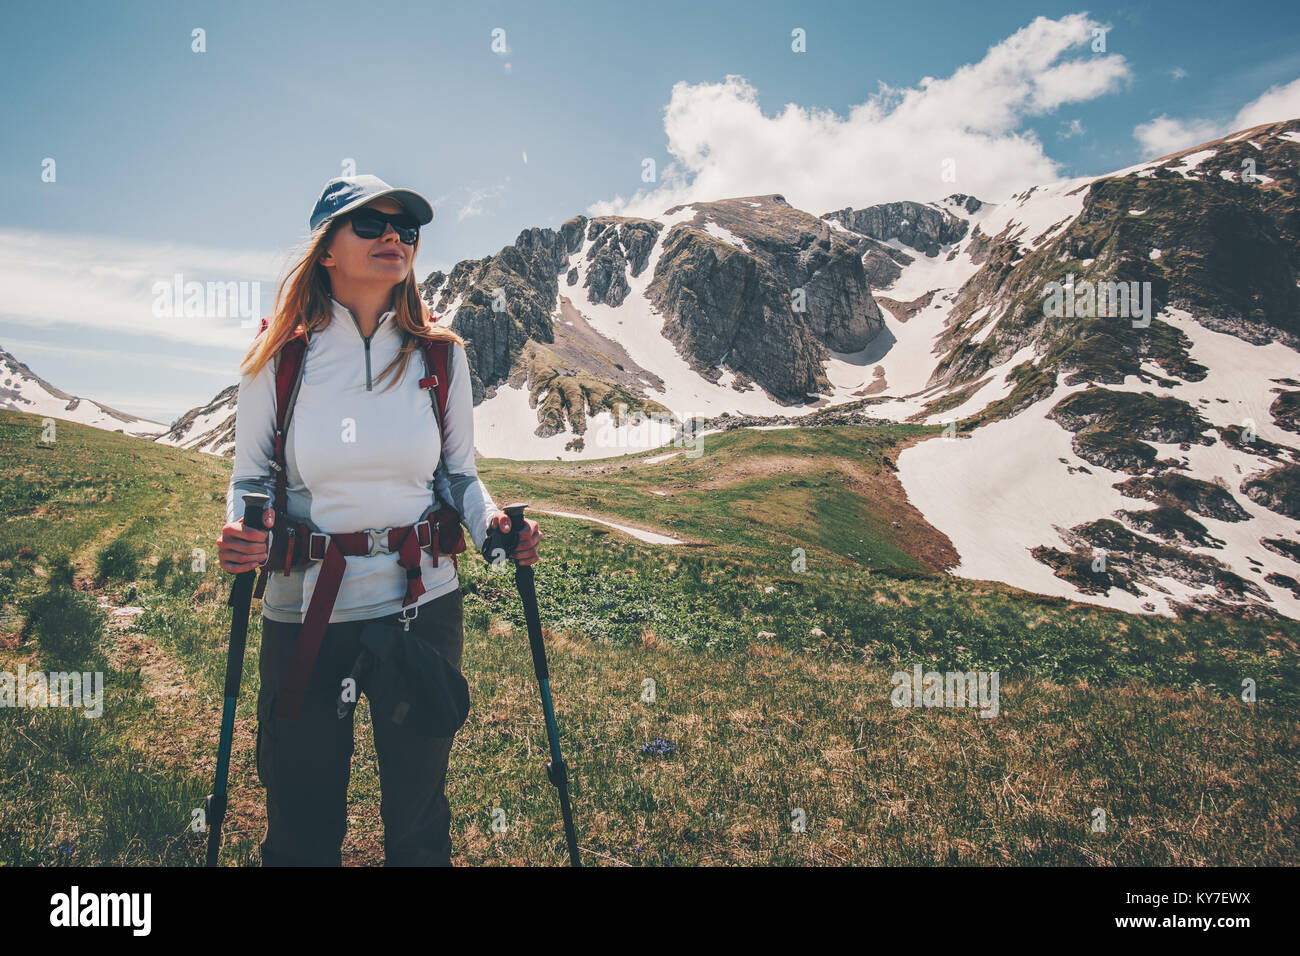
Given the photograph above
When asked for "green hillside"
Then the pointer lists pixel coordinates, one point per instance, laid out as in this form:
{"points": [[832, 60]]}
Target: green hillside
{"points": [[772, 685]]}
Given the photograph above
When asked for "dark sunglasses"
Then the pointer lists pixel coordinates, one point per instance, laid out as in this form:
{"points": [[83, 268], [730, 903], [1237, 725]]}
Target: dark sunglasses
{"points": [[369, 224]]}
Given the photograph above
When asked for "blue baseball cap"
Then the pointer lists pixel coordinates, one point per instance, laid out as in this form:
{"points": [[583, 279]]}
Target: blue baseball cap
{"points": [[345, 193]]}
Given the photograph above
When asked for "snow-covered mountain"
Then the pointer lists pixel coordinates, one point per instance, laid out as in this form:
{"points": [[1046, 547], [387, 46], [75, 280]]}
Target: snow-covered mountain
{"points": [[1143, 461], [1135, 448], [209, 428], [728, 306], [21, 390]]}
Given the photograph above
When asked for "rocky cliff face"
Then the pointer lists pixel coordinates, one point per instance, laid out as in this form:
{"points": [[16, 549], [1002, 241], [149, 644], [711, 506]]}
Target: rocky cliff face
{"points": [[502, 302], [923, 227], [750, 285], [766, 289], [619, 248], [505, 307]]}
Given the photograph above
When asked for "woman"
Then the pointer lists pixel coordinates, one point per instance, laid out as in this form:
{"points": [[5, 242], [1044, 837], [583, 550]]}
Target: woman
{"points": [[357, 458]]}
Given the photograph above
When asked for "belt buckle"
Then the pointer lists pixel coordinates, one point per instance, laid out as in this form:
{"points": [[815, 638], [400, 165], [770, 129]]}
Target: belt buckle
{"points": [[311, 546], [379, 541]]}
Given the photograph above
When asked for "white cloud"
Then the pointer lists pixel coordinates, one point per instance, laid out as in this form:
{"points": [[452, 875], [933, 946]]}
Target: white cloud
{"points": [[1281, 102], [1077, 81], [474, 204], [894, 145], [1164, 135], [1072, 128], [1178, 73], [106, 283]]}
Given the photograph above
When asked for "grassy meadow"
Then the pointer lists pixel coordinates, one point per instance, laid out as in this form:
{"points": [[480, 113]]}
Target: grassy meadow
{"points": [[769, 635]]}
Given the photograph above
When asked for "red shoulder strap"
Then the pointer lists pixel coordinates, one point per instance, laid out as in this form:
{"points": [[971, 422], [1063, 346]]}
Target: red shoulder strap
{"points": [[435, 357], [288, 371], [440, 350], [288, 375]]}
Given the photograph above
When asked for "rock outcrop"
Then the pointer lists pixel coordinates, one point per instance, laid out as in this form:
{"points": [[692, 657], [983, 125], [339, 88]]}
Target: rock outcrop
{"points": [[765, 289], [923, 227]]}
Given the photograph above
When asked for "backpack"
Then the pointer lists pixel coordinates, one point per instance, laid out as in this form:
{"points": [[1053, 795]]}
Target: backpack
{"points": [[288, 378]]}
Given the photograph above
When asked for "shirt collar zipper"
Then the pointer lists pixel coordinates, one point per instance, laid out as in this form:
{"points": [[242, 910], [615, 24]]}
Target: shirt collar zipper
{"points": [[365, 338]]}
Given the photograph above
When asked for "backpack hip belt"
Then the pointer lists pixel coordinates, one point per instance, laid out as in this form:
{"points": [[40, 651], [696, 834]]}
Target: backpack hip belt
{"points": [[296, 544]]}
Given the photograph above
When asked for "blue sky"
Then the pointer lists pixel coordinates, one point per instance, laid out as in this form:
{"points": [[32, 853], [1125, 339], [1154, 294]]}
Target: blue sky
{"points": [[169, 160]]}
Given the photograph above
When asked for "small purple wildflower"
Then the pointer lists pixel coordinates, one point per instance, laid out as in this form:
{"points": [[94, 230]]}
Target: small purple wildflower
{"points": [[658, 747]]}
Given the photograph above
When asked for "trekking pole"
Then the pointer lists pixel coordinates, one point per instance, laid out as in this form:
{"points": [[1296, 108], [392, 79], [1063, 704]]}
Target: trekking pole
{"points": [[241, 599], [555, 768]]}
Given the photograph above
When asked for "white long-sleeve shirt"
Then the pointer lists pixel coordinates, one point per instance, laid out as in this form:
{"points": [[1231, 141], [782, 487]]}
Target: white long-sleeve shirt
{"points": [[358, 456]]}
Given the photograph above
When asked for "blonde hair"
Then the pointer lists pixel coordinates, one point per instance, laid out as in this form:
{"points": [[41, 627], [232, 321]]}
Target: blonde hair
{"points": [[306, 309]]}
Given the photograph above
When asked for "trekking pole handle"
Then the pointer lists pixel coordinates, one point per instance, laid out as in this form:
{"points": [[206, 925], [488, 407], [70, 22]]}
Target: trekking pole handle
{"points": [[254, 504], [505, 541]]}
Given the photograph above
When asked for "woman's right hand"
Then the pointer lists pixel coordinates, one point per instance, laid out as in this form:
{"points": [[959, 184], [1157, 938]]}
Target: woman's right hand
{"points": [[240, 549]]}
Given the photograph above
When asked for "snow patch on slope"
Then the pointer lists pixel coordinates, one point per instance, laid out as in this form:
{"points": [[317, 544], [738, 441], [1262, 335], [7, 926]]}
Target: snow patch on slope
{"points": [[1004, 489], [650, 537], [987, 394], [504, 427], [213, 421], [998, 493], [726, 235]]}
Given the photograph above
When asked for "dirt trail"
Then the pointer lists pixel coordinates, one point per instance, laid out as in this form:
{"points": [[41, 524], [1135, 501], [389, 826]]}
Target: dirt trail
{"points": [[184, 730], [185, 733]]}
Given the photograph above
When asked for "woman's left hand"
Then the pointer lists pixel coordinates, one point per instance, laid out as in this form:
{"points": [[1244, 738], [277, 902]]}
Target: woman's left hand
{"points": [[529, 537]]}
